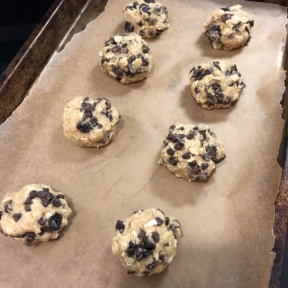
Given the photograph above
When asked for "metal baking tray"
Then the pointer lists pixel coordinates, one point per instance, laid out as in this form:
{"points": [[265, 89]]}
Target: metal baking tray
{"points": [[60, 23]]}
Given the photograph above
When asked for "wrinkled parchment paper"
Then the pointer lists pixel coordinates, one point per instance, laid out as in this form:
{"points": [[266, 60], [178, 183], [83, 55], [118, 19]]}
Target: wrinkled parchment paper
{"points": [[226, 222]]}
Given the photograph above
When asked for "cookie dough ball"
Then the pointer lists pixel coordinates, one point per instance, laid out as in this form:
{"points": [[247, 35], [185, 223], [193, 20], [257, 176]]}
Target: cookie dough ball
{"points": [[148, 18], [126, 58], [90, 122], [191, 152], [216, 85], [146, 242], [35, 213], [229, 28]]}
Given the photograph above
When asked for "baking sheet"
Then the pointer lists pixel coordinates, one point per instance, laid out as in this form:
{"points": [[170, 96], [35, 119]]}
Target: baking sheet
{"points": [[227, 221]]}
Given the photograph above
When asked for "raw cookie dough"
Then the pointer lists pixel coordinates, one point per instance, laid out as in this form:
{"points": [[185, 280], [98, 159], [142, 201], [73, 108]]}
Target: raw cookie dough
{"points": [[146, 242], [126, 58], [229, 28], [35, 213], [90, 122], [216, 85], [191, 152], [146, 17]]}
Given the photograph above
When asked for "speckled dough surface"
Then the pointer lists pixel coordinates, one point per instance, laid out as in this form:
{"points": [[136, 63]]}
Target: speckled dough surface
{"points": [[126, 58], [90, 122], [146, 242], [35, 213], [191, 152], [148, 18], [216, 85], [229, 28]]}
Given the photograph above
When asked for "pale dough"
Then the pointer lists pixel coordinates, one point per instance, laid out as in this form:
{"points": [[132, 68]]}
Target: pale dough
{"points": [[191, 151], [216, 85], [126, 58], [229, 28], [90, 122], [146, 17], [146, 242], [35, 213]]}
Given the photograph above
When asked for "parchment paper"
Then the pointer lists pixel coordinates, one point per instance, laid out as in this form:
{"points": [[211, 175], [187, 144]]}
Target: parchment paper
{"points": [[226, 222]]}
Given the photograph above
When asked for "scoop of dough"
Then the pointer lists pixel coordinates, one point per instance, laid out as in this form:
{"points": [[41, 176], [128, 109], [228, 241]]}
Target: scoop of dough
{"points": [[191, 152], [90, 122], [216, 85], [35, 213], [126, 58], [146, 17], [146, 242], [229, 28]]}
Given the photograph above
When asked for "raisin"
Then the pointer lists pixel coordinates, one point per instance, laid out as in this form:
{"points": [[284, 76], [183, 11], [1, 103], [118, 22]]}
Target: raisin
{"points": [[55, 222]]}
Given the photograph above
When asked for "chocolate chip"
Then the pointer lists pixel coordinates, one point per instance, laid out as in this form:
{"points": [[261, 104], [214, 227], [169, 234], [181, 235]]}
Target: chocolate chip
{"points": [[45, 229], [1, 213], [225, 17], [204, 166], [30, 238], [17, 216], [41, 194], [120, 226], [251, 23], [131, 59], [45, 202], [84, 127], [152, 265], [55, 222], [155, 236], [172, 127], [146, 244], [226, 9], [161, 258], [141, 234], [45, 189], [144, 8], [28, 200], [145, 49], [129, 27], [186, 155], [8, 207], [178, 146], [33, 194], [159, 221], [130, 272], [42, 221], [237, 26], [170, 137], [86, 99], [56, 202], [167, 221], [139, 255], [191, 135], [173, 160], [196, 89], [149, 1], [28, 207], [170, 152], [60, 196]]}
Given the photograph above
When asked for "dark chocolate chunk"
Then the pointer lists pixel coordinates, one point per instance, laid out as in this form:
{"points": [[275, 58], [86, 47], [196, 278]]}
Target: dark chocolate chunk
{"points": [[120, 226], [42, 221], [155, 236], [84, 127], [55, 222], [129, 27], [214, 32], [159, 221], [17, 216]]}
